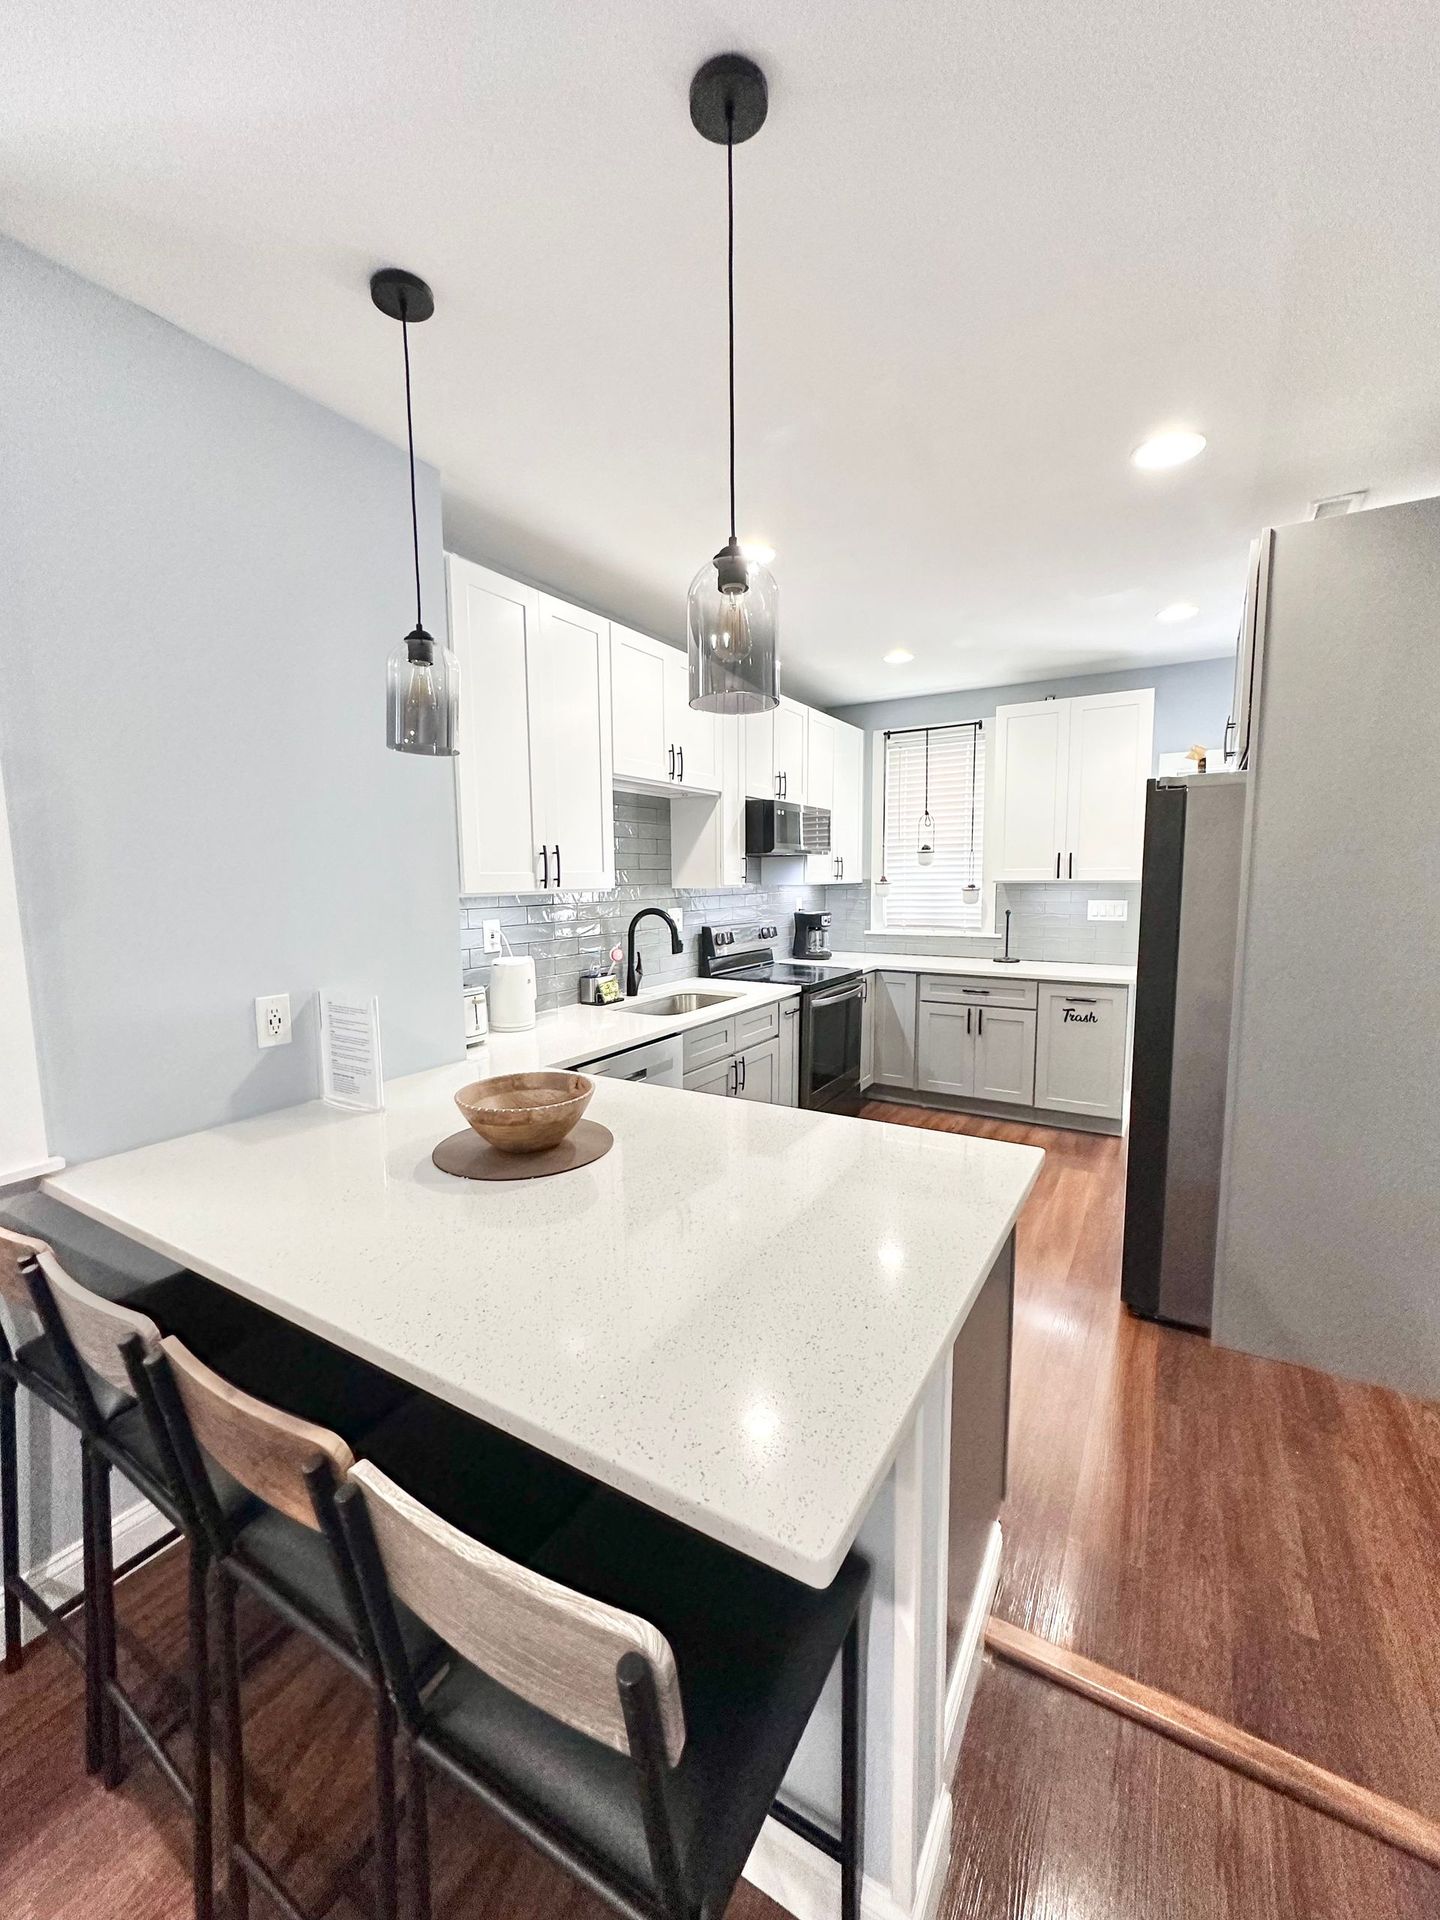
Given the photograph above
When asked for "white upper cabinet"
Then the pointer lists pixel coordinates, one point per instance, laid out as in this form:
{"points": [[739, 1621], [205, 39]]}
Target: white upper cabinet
{"points": [[847, 817], [707, 832], [660, 740], [570, 750], [642, 739], [1031, 769], [1111, 736], [533, 774], [775, 753], [1069, 787], [820, 731], [494, 629]]}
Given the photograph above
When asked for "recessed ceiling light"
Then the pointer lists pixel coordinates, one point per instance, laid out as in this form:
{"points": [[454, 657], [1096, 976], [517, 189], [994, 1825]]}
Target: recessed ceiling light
{"points": [[757, 551], [1177, 611], [897, 657], [1167, 450]]}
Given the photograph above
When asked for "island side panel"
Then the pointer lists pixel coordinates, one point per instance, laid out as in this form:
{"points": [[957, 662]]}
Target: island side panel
{"points": [[979, 1442]]}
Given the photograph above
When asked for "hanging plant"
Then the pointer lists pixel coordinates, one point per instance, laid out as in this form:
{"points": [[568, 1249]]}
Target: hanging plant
{"points": [[925, 834]]}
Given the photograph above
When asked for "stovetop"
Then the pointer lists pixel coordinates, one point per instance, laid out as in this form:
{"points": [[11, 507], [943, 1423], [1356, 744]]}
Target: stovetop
{"points": [[744, 953], [790, 973]]}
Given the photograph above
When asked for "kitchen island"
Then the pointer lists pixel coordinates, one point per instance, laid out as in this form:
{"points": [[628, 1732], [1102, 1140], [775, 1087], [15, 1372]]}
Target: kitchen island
{"points": [[786, 1329]]}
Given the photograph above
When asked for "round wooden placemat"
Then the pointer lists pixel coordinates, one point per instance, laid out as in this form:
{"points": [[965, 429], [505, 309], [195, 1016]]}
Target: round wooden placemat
{"points": [[469, 1157]]}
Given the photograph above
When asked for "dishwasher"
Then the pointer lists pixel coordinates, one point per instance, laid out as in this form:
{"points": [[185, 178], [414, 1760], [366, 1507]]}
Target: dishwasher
{"points": [[657, 1063]]}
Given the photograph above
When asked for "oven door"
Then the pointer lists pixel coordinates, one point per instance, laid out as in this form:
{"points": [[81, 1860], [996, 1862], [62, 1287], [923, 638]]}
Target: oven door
{"points": [[830, 1023]]}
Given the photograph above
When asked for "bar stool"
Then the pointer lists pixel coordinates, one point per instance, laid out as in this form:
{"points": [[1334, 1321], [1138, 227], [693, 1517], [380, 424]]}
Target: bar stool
{"points": [[285, 1546], [110, 1267], [630, 1701]]}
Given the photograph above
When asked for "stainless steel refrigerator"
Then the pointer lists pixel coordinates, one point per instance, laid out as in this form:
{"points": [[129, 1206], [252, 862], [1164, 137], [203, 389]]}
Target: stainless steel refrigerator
{"points": [[1189, 902]]}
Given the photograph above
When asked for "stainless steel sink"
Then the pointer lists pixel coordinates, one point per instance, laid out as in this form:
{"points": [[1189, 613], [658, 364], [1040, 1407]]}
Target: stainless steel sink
{"points": [[672, 1003]]}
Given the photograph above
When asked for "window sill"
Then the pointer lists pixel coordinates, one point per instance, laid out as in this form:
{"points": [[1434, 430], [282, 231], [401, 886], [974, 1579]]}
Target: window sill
{"points": [[929, 933]]}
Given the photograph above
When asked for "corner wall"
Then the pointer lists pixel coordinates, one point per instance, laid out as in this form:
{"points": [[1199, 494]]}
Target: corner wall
{"points": [[201, 576]]}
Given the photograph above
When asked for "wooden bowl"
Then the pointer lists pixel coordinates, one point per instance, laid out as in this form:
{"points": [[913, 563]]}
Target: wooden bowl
{"points": [[525, 1112]]}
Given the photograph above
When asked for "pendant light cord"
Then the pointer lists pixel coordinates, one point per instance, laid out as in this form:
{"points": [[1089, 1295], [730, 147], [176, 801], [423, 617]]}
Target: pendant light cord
{"points": [[730, 282], [410, 437]]}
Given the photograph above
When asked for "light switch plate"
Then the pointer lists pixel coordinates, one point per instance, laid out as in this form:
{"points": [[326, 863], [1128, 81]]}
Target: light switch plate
{"points": [[1108, 910]]}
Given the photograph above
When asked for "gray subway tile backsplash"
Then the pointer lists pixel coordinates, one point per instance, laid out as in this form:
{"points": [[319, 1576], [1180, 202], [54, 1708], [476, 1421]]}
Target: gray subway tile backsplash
{"points": [[566, 932]]}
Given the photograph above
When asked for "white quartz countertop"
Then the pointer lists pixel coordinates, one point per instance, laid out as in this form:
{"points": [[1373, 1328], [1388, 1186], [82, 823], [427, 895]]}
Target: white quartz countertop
{"points": [[574, 1034], [730, 1317], [1091, 972]]}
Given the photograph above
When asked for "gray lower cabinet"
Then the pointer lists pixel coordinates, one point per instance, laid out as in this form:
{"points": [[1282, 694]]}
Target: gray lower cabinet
{"points": [[755, 1055], [979, 1053], [893, 1017], [787, 1092], [759, 1074], [716, 1078], [867, 1031], [1080, 1050], [945, 1051]]}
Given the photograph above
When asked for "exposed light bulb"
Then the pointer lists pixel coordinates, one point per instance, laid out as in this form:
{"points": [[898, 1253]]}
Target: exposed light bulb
{"points": [[925, 851]]}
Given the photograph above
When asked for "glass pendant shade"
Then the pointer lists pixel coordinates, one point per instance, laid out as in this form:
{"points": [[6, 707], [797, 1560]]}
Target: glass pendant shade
{"points": [[422, 696], [731, 641]]}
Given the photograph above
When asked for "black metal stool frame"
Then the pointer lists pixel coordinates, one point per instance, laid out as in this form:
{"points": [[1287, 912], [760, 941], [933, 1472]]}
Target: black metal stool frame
{"points": [[231, 1570], [635, 1681]]}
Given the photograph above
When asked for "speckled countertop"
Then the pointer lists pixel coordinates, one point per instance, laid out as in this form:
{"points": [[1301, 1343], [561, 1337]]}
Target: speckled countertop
{"points": [[574, 1034], [731, 1316], [1092, 972]]}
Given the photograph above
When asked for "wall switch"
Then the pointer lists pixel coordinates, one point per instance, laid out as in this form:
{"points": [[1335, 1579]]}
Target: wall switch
{"points": [[491, 931], [272, 1020], [1108, 910]]}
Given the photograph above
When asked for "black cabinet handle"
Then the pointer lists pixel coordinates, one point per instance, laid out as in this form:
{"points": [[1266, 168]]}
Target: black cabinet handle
{"points": [[969, 1015], [682, 765], [557, 863], [672, 763], [1071, 874], [1079, 1000], [639, 1073], [545, 858], [979, 1021], [975, 990], [740, 1063], [1057, 866]]}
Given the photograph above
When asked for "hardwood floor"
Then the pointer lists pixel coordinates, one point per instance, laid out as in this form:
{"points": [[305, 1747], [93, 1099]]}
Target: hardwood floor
{"points": [[1260, 1541]]}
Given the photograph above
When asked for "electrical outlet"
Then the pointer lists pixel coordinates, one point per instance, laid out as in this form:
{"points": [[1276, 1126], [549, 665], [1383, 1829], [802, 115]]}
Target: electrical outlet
{"points": [[679, 918], [1107, 910], [491, 931], [272, 1020]]}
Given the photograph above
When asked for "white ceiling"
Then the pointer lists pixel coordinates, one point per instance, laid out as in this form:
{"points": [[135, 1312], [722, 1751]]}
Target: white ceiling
{"points": [[983, 250]]}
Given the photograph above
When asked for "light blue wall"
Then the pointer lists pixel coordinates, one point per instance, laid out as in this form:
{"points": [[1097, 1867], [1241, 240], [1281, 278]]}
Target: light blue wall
{"points": [[201, 575], [1192, 702]]}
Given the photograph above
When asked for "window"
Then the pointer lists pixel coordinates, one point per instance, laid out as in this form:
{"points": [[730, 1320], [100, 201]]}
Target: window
{"points": [[932, 894]]}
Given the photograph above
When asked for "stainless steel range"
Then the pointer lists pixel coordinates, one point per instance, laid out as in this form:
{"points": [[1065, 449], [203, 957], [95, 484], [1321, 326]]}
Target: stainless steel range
{"points": [[832, 1000]]}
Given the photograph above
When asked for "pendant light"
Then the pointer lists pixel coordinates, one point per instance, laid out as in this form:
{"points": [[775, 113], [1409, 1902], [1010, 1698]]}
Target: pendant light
{"points": [[423, 681], [925, 839], [732, 618], [970, 892]]}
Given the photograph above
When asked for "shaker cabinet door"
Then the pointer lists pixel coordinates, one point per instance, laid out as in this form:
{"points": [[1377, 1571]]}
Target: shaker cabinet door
{"points": [[945, 1050], [570, 731], [494, 632], [1080, 1050], [1005, 1055]]}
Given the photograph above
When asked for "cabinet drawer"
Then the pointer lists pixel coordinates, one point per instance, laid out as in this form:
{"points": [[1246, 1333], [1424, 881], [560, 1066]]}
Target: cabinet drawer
{"points": [[703, 1045], [958, 989], [756, 1025]]}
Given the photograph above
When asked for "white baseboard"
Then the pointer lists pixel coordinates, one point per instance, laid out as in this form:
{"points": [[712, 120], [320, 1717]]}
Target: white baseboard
{"points": [[806, 1882], [970, 1653], [62, 1576]]}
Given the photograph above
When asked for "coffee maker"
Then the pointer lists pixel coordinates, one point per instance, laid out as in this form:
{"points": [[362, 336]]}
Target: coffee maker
{"points": [[812, 936]]}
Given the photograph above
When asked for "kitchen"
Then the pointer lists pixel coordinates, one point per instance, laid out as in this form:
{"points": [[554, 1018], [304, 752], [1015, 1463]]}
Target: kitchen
{"points": [[836, 953]]}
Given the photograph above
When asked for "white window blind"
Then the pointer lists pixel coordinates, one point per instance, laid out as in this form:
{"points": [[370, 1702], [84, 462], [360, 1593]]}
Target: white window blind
{"points": [[931, 895]]}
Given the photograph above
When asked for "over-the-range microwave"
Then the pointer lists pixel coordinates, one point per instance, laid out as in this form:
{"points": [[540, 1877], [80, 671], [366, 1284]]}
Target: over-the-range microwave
{"points": [[784, 827]]}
